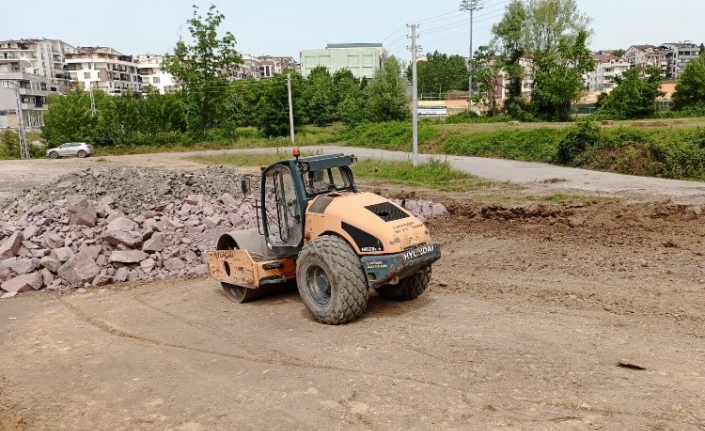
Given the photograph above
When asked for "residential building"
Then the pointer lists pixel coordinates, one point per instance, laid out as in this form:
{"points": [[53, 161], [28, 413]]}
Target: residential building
{"points": [[46, 57], [362, 59], [104, 69], [262, 67], [150, 70], [607, 69], [33, 92], [677, 57], [645, 56], [527, 82]]}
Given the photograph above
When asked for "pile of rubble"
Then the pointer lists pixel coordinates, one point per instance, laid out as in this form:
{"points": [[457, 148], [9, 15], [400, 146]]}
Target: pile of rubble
{"points": [[130, 190], [94, 228], [76, 242]]}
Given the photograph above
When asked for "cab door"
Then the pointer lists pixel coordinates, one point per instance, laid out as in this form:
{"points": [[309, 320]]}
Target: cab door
{"points": [[281, 211]]}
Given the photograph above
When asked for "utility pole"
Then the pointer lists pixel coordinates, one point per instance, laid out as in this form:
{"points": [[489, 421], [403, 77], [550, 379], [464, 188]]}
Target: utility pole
{"points": [[291, 109], [471, 6], [414, 95], [24, 145], [93, 110]]}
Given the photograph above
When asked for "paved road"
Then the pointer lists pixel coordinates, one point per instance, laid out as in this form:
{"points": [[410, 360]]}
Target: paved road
{"points": [[569, 179]]}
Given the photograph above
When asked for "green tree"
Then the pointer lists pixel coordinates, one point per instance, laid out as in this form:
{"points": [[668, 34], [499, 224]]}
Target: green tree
{"points": [[487, 71], [352, 110], [633, 97], [273, 105], [509, 43], [387, 99], [551, 24], [240, 103], [69, 118], [201, 68], [344, 83], [619, 52], [690, 90], [559, 78], [320, 96], [441, 73]]}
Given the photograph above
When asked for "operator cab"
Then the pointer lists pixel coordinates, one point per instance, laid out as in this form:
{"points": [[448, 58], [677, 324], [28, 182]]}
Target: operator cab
{"points": [[288, 186]]}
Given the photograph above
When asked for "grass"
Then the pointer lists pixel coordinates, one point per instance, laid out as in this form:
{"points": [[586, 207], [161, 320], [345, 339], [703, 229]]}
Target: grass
{"points": [[566, 198], [248, 160], [435, 174]]}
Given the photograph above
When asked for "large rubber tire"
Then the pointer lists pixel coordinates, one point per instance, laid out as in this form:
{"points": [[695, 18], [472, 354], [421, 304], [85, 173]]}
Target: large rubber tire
{"points": [[331, 280], [409, 288], [82, 154], [53, 155]]}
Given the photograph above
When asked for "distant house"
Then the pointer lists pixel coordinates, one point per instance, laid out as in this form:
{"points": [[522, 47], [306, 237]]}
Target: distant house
{"points": [[645, 56], [677, 57], [607, 69], [362, 59], [150, 70]]}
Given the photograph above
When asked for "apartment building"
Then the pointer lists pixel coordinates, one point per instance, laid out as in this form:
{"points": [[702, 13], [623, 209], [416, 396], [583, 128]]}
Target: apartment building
{"points": [[527, 82], [677, 57], [104, 68], [149, 67], [644, 57], [607, 68], [362, 59], [33, 92], [46, 57], [263, 67]]}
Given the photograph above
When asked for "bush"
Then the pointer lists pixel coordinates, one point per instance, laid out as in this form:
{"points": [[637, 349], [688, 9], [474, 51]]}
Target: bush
{"points": [[9, 145], [472, 117], [536, 145], [579, 138]]}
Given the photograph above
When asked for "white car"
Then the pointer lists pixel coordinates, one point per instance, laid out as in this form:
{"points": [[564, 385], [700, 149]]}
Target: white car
{"points": [[71, 149]]}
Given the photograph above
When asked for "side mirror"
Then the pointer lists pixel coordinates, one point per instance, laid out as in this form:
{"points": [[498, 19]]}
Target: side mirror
{"points": [[246, 186]]}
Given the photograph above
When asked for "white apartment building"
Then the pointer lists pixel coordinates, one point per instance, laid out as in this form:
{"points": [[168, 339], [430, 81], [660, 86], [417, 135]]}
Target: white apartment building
{"points": [[645, 56], [150, 69], [33, 92], [46, 57], [677, 57], [104, 69], [608, 68]]}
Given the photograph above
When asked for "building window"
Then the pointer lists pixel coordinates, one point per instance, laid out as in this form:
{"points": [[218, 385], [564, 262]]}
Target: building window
{"points": [[156, 80], [87, 75]]}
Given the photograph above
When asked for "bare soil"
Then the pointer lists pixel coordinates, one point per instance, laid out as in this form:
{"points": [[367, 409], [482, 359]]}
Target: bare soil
{"points": [[540, 316]]}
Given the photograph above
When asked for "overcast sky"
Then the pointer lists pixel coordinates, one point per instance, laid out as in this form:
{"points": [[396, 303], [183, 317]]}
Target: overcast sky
{"points": [[285, 27]]}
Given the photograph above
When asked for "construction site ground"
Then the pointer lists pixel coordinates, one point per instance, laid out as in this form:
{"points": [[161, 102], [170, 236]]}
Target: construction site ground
{"points": [[582, 314]]}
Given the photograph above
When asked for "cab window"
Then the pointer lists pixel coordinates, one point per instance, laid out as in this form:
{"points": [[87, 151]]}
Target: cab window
{"points": [[326, 181]]}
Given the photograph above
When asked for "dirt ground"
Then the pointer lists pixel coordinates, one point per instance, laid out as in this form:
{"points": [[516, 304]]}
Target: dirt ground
{"points": [[586, 315]]}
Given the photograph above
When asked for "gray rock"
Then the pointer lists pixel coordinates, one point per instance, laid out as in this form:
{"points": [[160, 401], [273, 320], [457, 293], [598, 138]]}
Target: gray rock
{"points": [[212, 221], [102, 280], [123, 224], [129, 239], [121, 274], [101, 260], [5, 274], [107, 200], [23, 283], [47, 276], [79, 270], [127, 256], [64, 254], [30, 232], [51, 262], [195, 200], [200, 270], [147, 265], [155, 244], [10, 247], [20, 266], [133, 276], [53, 240], [92, 250], [40, 253], [189, 256], [29, 245], [80, 211], [174, 264]]}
